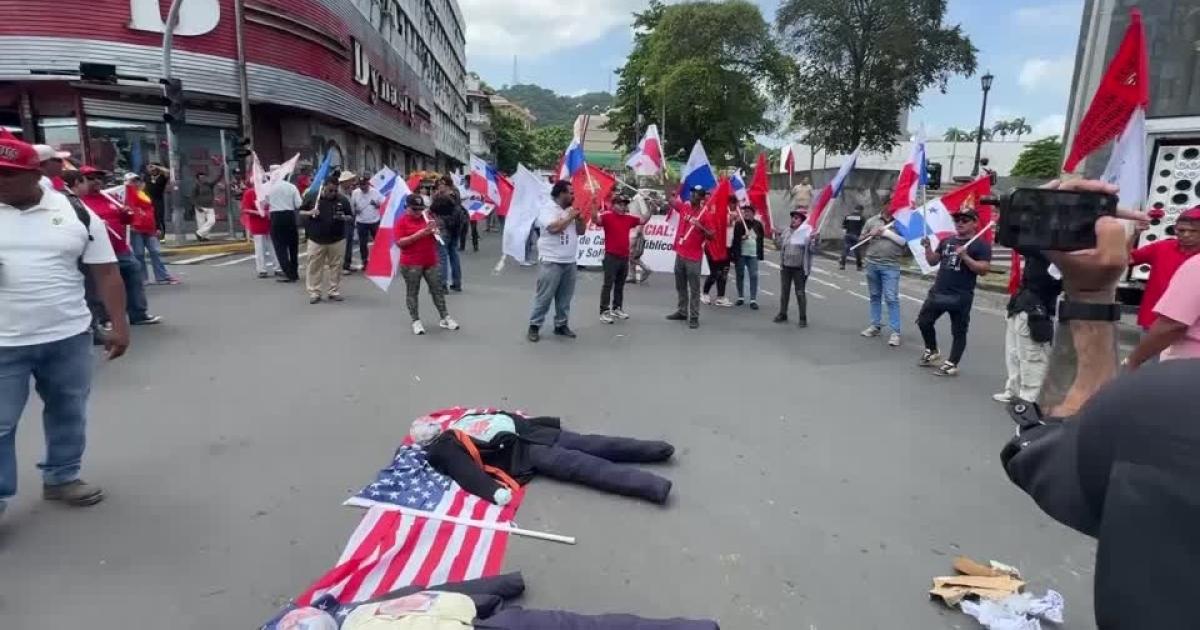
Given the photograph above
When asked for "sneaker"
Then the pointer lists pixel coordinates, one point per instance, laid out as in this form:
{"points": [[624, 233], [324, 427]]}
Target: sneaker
{"points": [[753, 305], [1003, 397], [262, 274], [316, 299], [564, 331], [150, 320], [677, 317], [803, 324], [607, 317], [534, 334], [336, 298], [871, 331], [780, 318], [705, 299], [740, 302], [74, 493], [174, 281], [418, 328], [929, 359], [449, 324], [894, 340], [457, 288], [723, 302], [946, 369], [620, 313], [694, 324]]}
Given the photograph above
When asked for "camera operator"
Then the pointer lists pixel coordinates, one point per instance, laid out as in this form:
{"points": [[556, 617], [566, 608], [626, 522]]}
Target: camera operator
{"points": [[1116, 459]]}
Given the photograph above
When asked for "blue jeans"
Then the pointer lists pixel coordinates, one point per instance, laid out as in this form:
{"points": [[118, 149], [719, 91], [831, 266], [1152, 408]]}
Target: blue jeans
{"points": [[884, 284], [742, 266], [142, 243], [62, 374], [556, 281], [135, 291], [448, 260]]}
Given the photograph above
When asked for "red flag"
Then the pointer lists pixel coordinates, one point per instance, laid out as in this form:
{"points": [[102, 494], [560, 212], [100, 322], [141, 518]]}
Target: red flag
{"points": [[1014, 274], [506, 194], [717, 218], [1124, 88], [592, 185], [414, 182], [759, 187]]}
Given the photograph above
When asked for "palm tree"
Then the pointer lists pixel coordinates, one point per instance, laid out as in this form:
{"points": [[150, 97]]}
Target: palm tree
{"points": [[1002, 128], [1020, 128], [954, 134], [974, 135]]}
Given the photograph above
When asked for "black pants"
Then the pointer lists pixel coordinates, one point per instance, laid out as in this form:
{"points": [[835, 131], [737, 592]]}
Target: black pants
{"points": [[594, 461], [793, 277], [366, 236], [959, 309], [851, 241], [616, 271], [462, 237], [160, 213], [286, 239], [349, 255], [718, 274]]}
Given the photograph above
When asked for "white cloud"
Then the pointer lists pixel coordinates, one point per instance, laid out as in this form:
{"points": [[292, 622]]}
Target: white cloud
{"points": [[533, 28], [1062, 15], [1052, 125], [1040, 74]]}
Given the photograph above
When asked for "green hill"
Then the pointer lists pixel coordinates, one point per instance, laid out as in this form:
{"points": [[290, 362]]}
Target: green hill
{"points": [[552, 109]]}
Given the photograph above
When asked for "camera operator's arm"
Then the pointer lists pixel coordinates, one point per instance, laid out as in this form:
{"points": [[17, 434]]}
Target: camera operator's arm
{"points": [[1162, 335]]}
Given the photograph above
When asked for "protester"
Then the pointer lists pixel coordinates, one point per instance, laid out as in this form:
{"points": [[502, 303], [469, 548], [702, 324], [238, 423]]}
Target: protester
{"points": [[158, 178], [747, 251], [46, 246], [366, 203], [327, 213], [690, 234], [988, 171], [347, 181], [203, 202], [467, 223], [1114, 459], [852, 227], [143, 237], [561, 225], [447, 207], [718, 264], [283, 201], [883, 274], [796, 247], [86, 184], [802, 193], [639, 271], [1176, 332], [257, 222], [616, 225], [961, 259], [416, 235], [51, 166], [1164, 257], [1030, 330]]}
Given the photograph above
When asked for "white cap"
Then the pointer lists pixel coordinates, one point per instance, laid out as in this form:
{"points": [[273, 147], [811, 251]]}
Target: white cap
{"points": [[47, 152], [131, 176], [347, 176], [273, 167]]}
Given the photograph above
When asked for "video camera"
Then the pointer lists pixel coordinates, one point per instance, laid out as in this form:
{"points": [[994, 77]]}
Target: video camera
{"points": [[1050, 219]]}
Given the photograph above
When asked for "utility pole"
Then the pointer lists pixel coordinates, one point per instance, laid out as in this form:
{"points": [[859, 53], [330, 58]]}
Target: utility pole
{"points": [[172, 141], [243, 81]]}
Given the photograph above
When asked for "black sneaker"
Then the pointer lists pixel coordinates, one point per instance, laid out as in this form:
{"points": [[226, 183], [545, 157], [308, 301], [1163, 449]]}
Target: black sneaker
{"points": [[150, 320], [677, 317], [740, 302], [804, 324], [564, 331], [753, 305], [780, 318], [316, 299], [946, 369], [457, 288], [694, 324], [534, 334]]}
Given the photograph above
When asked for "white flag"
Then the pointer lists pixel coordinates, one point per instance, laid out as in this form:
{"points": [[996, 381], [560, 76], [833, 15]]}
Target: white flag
{"points": [[1127, 166], [530, 194]]}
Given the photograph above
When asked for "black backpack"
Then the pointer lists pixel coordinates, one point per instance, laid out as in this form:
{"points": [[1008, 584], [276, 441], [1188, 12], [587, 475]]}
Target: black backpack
{"points": [[85, 217]]}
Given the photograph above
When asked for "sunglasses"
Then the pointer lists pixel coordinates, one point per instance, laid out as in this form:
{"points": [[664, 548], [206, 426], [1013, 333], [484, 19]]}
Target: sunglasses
{"points": [[964, 220]]}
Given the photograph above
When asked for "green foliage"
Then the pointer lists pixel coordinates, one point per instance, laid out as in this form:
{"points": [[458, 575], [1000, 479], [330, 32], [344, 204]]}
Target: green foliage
{"points": [[510, 141], [954, 134], [553, 110], [1042, 159], [712, 65], [548, 146], [860, 63]]}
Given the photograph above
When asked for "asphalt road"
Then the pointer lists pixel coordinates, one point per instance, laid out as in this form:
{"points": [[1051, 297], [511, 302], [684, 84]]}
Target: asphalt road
{"points": [[821, 479]]}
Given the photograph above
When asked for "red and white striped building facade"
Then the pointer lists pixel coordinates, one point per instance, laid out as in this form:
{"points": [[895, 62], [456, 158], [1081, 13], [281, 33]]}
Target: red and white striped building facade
{"points": [[382, 82]]}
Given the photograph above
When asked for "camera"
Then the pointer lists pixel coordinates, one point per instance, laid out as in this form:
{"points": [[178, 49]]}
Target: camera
{"points": [[1050, 219]]}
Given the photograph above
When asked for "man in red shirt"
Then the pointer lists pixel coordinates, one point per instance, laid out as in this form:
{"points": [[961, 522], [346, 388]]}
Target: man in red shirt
{"points": [[143, 234], [417, 235], [616, 225], [1165, 257], [256, 220], [690, 234]]}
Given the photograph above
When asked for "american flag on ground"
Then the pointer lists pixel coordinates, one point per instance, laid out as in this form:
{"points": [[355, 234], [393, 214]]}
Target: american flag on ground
{"points": [[402, 541]]}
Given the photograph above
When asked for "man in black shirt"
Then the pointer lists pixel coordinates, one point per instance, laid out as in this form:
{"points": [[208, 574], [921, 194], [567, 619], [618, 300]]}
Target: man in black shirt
{"points": [[156, 187], [447, 207], [853, 226], [963, 258], [1030, 330], [326, 231]]}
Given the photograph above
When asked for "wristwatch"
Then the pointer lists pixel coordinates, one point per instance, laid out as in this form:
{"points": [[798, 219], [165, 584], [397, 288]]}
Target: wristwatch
{"points": [[1087, 311]]}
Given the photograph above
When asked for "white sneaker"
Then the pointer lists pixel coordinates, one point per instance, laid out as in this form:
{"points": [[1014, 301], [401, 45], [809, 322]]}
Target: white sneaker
{"points": [[448, 324], [723, 302], [894, 340], [871, 331], [1003, 397], [418, 328], [705, 299], [619, 314], [606, 317]]}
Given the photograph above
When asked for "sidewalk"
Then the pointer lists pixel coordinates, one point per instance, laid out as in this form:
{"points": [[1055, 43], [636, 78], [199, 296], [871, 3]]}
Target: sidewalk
{"points": [[220, 243]]}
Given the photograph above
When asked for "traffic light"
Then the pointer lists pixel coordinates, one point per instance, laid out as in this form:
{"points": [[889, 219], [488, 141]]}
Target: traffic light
{"points": [[241, 149], [173, 101], [933, 172]]}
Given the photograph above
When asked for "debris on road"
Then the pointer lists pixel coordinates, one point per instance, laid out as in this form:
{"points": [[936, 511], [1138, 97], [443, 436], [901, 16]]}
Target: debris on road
{"points": [[987, 581], [992, 594]]}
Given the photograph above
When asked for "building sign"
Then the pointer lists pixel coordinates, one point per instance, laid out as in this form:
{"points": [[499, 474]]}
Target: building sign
{"points": [[381, 90], [196, 17]]}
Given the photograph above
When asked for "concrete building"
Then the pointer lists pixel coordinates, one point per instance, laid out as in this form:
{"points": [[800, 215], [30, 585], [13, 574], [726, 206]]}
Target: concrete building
{"points": [[957, 158], [501, 104], [479, 117]]}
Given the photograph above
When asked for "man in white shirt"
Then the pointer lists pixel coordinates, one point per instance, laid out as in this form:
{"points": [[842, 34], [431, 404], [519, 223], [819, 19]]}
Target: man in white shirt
{"points": [[45, 323], [367, 204], [51, 164], [558, 254], [283, 201]]}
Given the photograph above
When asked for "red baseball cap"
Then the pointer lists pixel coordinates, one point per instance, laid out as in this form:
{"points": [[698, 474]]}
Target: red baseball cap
{"points": [[17, 155], [1190, 215], [88, 169]]}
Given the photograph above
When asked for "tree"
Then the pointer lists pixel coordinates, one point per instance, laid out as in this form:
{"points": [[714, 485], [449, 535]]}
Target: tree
{"points": [[1020, 128], [1042, 159], [511, 142], [860, 63], [713, 65], [553, 110], [974, 135], [954, 134], [1002, 128], [549, 143]]}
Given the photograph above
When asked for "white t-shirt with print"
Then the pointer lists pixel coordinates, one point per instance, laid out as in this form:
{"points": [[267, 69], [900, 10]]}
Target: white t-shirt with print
{"points": [[557, 248], [41, 287]]}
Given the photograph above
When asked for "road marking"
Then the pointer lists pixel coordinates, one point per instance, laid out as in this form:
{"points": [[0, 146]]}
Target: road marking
{"points": [[771, 264], [236, 261], [828, 284], [816, 295], [766, 292], [819, 270], [912, 299], [197, 259], [858, 295]]}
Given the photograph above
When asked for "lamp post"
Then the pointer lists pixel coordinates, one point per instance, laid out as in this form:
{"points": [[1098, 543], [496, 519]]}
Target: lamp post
{"points": [[986, 82]]}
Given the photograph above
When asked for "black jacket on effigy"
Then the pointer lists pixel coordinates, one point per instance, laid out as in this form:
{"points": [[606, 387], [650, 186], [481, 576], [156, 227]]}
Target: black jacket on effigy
{"points": [[508, 452]]}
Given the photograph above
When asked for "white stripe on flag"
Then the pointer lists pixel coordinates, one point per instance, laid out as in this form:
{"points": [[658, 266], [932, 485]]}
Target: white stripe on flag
{"points": [[483, 547], [375, 577], [441, 574]]}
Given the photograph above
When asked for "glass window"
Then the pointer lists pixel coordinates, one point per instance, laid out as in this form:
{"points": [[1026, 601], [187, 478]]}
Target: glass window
{"points": [[62, 134], [121, 146]]}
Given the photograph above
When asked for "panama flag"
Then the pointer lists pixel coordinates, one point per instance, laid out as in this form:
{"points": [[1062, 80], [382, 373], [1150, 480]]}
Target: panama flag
{"points": [[483, 180], [506, 193], [1118, 110], [384, 259], [936, 219], [322, 174], [572, 161], [738, 183], [647, 160], [384, 181], [787, 160], [760, 186], [912, 175], [697, 172], [831, 190]]}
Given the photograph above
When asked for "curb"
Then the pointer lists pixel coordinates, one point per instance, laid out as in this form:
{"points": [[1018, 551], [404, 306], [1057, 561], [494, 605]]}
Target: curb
{"points": [[235, 247]]}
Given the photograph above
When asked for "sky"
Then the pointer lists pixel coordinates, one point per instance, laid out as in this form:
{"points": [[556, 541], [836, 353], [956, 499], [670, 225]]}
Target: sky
{"points": [[573, 48]]}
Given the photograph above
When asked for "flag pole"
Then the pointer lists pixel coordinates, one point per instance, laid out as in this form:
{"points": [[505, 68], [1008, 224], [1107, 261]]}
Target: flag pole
{"points": [[987, 227], [865, 240]]}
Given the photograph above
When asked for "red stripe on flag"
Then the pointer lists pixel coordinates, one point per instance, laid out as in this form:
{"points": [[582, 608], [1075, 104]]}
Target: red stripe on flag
{"points": [[458, 570], [444, 532], [386, 523]]}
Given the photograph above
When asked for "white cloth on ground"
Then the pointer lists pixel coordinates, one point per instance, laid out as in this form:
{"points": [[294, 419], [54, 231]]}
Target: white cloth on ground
{"points": [[1017, 612]]}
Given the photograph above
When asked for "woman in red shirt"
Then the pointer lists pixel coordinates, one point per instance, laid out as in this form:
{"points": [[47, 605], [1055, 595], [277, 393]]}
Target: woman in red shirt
{"points": [[417, 235], [258, 225], [144, 230]]}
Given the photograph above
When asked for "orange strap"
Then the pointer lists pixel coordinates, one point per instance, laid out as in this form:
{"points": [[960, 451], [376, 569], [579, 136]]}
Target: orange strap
{"points": [[473, 451]]}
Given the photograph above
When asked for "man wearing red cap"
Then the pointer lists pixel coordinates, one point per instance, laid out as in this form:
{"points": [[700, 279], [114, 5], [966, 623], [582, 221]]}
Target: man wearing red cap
{"points": [[45, 323], [1164, 257], [1175, 333]]}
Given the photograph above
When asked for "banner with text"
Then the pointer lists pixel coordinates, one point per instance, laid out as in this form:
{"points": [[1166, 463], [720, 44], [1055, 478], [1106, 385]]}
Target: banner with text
{"points": [[658, 255]]}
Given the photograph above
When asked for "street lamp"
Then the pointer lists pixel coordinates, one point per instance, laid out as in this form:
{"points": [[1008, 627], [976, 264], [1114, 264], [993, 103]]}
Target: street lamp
{"points": [[986, 82]]}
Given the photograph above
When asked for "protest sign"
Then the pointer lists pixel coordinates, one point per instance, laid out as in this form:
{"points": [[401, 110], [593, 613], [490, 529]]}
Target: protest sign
{"points": [[658, 255]]}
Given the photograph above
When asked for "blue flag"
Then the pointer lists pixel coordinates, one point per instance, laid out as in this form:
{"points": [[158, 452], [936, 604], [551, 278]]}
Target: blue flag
{"points": [[321, 175]]}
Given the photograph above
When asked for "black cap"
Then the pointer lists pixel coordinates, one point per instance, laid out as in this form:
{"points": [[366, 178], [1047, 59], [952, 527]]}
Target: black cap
{"points": [[620, 199], [415, 201], [969, 213], [800, 211]]}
